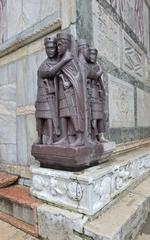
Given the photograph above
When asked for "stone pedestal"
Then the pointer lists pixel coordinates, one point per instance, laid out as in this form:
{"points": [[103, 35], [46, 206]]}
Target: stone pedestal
{"points": [[72, 158], [89, 190]]}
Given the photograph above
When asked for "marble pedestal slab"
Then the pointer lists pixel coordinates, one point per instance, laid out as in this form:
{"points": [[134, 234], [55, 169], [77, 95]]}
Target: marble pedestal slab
{"points": [[89, 190]]}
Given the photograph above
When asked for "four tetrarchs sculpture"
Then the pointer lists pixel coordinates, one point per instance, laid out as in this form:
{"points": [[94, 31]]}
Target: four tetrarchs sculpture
{"points": [[69, 105]]}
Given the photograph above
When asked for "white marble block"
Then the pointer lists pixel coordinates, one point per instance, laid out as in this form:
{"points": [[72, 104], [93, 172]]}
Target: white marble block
{"points": [[89, 190]]}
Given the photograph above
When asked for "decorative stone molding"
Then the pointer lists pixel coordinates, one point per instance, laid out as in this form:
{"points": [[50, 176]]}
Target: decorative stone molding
{"points": [[46, 26], [92, 189], [133, 59], [24, 110]]}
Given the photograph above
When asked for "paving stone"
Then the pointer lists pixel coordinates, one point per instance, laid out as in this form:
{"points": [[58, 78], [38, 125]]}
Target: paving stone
{"points": [[8, 232]]}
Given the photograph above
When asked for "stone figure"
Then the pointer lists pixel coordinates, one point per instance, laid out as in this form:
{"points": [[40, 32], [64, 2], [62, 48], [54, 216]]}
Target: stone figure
{"points": [[71, 100], [69, 105], [97, 95], [46, 107]]}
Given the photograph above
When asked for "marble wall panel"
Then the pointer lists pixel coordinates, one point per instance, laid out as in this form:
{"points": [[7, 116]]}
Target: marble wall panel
{"points": [[14, 17], [30, 79], [8, 114], [133, 61], [27, 78], [22, 14], [146, 15], [20, 68], [143, 105], [22, 149], [121, 103], [11, 154], [132, 13], [48, 7], [11, 69], [106, 34], [1, 22], [3, 75], [31, 134], [30, 12]]}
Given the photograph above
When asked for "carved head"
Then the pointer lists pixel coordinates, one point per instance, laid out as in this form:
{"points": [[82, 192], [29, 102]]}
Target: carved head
{"points": [[63, 43], [83, 48], [92, 54], [50, 46]]}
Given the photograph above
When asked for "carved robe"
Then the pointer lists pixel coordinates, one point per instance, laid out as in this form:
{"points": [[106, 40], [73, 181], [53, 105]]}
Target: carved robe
{"points": [[71, 99]]}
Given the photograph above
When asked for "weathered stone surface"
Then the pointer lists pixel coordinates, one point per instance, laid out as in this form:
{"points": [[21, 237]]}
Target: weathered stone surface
{"points": [[121, 103], [14, 17], [103, 182], [143, 103], [132, 14], [48, 7], [31, 134], [146, 25], [28, 8], [68, 13], [22, 150], [20, 70], [7, 179], [30, 76], [7, 113], [4, 75], [22, 171], [143, 237], [59, 224], [133, 58], [106, 34], [124, 219]]}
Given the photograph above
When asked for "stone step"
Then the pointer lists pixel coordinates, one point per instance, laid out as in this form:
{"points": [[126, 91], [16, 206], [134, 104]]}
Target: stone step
{"points": [[18, 208], [7, 179], [124, 219]]}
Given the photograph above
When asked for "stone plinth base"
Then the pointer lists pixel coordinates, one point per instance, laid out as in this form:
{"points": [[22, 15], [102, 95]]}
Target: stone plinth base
{"points": [[91, 189], [71, 158]]}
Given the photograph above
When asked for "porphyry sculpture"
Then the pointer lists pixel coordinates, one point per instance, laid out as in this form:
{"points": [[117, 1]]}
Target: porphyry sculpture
{"points": [[69, 105]]}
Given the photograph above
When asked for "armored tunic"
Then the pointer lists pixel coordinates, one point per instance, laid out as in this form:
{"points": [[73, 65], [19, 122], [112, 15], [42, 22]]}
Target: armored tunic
{"points": [[97, 96], [46, 97]]}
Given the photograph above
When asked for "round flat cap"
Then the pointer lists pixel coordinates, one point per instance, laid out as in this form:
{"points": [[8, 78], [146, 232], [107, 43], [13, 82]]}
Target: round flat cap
{"points": [[49, 40], [64, 35]]}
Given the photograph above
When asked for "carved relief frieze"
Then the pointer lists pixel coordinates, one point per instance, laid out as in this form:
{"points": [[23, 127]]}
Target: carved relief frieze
{"points": [[90, 192], [133, 59]]}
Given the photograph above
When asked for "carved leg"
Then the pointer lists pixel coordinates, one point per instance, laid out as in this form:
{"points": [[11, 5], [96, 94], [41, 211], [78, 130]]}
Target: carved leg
{"points": [[50, 131], [39, 122], [79, 141], [95, 127], [64, 132], [101, 131]]}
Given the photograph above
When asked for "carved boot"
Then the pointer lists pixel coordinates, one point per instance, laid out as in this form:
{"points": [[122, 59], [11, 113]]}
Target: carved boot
{"points": [[62, 141], [50, 141], [79, 141], [102, 138], [39, 140]]}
